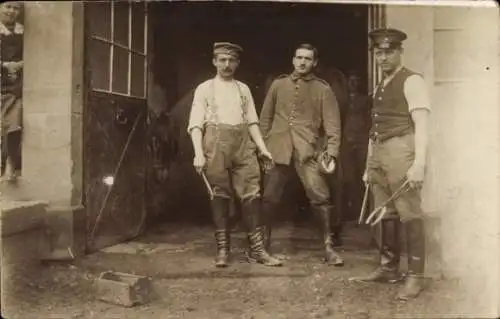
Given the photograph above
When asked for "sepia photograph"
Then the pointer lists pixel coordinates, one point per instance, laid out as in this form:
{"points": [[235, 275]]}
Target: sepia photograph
{"points": [[251, 159]]}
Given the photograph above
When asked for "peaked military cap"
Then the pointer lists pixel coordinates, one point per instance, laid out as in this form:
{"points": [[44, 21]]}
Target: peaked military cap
{"points": [[227, 48], [387, 38]]}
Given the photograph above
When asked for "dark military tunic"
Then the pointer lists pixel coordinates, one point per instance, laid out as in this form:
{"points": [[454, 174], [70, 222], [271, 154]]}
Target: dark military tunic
{"points": [[297, 112]]}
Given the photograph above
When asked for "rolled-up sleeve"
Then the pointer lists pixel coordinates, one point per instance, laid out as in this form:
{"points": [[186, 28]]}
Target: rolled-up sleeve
{"points": [[197, 113], [331, 121], [416, 93], [251, 113]]}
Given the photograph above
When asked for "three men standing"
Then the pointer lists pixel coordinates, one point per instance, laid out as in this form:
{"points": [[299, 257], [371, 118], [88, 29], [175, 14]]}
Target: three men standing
{"points": [[397, 157], [224, 129], [298, 108]]}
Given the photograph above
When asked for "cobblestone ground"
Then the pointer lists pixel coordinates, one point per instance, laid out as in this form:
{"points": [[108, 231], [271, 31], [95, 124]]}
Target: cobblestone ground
{"points": [[179, 260]]}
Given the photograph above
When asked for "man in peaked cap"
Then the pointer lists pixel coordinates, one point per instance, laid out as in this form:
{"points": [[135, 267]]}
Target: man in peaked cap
{"points": [[225, 133], [298, 110], [397, 154]]}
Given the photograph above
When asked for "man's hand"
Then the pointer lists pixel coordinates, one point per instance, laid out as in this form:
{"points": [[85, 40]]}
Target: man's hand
{"points": [[199, 163], [267, 155], [365, 177], [415, 175], [327, 161], [266, 159]]}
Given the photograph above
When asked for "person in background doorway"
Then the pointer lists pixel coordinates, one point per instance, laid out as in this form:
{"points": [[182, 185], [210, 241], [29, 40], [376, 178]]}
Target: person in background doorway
{"points": [[11, 74], [298, 108], [355, 144], [225, 133], [397, 157]]}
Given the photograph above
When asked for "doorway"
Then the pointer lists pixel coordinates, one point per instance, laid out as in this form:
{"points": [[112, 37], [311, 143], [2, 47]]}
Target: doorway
{"points": [[184, 33], [182, 38]]}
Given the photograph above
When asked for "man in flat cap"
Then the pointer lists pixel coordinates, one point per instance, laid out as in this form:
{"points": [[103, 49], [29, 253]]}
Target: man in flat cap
{"points": [[298, 110], [225, 133], [397, 157]]}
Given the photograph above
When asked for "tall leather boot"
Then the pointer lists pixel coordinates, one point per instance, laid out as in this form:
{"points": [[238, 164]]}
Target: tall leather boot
{"points": [[337, 227], [323, 215], [257, 252], [220, 215], [267, 214], [414, 282], [390, 255]]}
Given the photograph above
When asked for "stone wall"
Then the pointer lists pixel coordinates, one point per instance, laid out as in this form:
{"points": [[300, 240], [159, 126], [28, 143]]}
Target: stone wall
{"points": [[457, 50]]}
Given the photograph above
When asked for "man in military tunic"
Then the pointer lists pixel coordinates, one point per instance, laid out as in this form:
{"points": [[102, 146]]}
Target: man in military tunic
{"points": [[224, 129], [11, 75], [397, 155], [298, 109]]}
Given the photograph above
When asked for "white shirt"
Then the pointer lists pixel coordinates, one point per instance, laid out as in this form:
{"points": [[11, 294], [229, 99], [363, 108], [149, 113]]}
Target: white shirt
{"points": [[415, 91], [228, 97]]}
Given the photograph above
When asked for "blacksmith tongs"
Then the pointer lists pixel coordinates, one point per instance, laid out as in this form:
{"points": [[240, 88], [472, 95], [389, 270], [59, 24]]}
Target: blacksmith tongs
{"points": [[379, 212]]}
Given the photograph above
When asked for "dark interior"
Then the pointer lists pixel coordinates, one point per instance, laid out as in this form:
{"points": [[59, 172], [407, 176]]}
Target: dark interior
{"points": [[268, 32], [183, 35]]}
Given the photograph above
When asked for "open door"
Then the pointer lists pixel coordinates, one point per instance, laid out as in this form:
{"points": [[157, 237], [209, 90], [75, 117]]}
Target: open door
{"points": [[115, 120], [376, 19]]}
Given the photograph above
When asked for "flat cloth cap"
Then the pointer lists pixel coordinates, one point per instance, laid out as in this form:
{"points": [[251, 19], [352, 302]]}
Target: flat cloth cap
{"points": [[387, 38], [227, 48]]}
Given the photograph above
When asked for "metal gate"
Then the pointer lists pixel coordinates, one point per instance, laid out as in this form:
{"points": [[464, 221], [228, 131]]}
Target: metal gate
{"points": [[115, 120]]}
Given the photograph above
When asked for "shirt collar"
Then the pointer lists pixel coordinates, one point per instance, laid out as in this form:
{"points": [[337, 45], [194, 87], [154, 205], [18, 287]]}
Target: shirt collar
{"points": [[306, 77], [18, 29], [389, 78], [219, 79]]}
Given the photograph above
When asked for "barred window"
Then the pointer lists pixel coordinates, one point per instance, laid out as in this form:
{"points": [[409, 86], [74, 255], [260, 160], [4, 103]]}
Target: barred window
{"points": [[118, 47]]}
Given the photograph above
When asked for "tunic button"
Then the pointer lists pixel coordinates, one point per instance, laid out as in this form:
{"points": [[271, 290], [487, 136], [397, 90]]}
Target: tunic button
{"points": [[376, 115], [380, 98]]}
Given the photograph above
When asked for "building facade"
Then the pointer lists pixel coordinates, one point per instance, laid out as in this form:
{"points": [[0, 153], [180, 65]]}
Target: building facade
{"points": [[73, 98]]}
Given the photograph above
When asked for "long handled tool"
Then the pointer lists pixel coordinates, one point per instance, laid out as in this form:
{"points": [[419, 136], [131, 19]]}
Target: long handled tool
{"points": [[207, 184], [365, 204], [381, 210]]}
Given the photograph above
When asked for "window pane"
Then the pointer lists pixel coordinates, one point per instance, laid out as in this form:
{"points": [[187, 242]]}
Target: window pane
{"points": [[138, 75], [99, 64], [120, 70], [138, 26], [100, 19], [121, 18]]}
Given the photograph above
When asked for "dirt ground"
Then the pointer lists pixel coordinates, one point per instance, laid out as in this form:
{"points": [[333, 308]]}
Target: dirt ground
{"points": [[179, 259]]}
